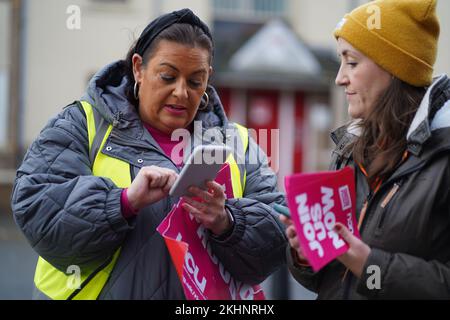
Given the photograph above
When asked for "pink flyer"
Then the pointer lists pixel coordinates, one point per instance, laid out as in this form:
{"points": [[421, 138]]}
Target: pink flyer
{"points": [[201, 273], [316, 202]]}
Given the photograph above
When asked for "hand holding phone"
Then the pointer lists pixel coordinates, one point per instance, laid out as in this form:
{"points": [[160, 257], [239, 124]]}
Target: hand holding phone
{"points": [[203, 165]]}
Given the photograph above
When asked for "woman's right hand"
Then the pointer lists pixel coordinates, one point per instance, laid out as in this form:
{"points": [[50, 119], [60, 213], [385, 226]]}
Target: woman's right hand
{"points": [[291, 234], [150, 185]]}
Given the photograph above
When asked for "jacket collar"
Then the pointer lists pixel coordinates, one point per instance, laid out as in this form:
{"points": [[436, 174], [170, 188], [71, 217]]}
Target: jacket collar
{"points": [[432, 114], [350, 129]]}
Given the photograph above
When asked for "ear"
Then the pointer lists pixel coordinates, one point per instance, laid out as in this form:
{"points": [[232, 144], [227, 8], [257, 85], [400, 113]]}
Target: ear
{"points": [[211, 71], [137, 67]]}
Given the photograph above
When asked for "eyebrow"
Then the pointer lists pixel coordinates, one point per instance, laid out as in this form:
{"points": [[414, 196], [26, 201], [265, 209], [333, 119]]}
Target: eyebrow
{"points": [[347, 52], [176, 69]]}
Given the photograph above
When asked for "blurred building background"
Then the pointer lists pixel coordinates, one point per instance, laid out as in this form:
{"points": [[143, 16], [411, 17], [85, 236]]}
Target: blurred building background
{"points": [[275, 64]]}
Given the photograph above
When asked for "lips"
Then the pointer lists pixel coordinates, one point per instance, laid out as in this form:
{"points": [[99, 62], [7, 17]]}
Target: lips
{"points": [[175, 109]]}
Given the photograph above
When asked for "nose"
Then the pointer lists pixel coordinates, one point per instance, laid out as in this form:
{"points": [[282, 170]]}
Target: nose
{"points": [[180, 90], [341, 77]]}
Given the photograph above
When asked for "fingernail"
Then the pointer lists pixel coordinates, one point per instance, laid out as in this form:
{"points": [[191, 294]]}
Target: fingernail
{"points": [[338, 228]]}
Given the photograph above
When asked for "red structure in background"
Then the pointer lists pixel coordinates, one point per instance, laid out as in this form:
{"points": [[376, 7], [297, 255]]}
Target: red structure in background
{"points": [[225, 97], [299, 134], [262, 114]]}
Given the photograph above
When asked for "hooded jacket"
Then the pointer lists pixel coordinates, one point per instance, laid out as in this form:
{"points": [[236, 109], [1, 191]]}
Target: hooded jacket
{"points": [[71, 217], [407, 221]]}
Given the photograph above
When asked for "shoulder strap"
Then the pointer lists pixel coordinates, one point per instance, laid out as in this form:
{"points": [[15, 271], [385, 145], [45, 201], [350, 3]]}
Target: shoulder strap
{"points": [[242, 147], [97, 128], [243, 134]]}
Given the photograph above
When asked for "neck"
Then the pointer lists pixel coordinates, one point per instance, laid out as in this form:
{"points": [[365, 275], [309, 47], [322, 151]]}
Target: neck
{"points": [[158, 131]]}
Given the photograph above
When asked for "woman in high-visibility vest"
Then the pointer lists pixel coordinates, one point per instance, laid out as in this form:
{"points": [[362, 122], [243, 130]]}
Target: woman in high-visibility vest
{"points": [[94, 185], [399, 146]]}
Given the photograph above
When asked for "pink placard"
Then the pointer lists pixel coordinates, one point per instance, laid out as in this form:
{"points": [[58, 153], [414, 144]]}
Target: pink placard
{"points": [[316, 202], [202, 275]]}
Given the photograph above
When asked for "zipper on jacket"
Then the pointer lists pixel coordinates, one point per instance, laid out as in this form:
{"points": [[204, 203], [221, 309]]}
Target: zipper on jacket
{"points": [[384, 204], [348, 276], [363, 212], [132, 175], [128, 143], [347, 285], [348, 279]]}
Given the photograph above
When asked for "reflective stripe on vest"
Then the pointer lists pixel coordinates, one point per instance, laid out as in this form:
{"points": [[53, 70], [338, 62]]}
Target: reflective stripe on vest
{"points": [[237, 181], [58, 285]]}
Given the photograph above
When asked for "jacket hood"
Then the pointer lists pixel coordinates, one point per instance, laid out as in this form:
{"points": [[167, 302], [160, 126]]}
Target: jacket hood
{"points": [[106, 92], [433, 114]]}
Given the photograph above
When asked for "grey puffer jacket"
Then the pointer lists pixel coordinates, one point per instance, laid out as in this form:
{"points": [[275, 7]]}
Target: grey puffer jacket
{"points": [[71, 217], [407, 222]]}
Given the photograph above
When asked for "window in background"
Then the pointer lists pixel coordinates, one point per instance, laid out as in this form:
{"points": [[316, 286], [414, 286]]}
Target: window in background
{"points": [[249, 9], [109, 1]]}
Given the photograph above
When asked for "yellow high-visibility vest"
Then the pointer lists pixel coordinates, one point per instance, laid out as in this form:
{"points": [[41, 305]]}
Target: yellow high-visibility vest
{"points": [[58, 285]]}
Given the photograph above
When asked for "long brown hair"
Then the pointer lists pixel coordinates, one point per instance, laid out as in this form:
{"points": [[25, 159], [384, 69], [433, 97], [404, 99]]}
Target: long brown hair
{"points": [[382, 143]]}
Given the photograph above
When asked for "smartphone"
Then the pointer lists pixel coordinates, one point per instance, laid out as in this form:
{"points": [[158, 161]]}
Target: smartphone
{"points": [[282, 210], [202, 165]]}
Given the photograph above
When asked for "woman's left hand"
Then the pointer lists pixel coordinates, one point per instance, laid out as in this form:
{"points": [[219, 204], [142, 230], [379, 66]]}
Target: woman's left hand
{"points": [[356, 256], [210, 212]]}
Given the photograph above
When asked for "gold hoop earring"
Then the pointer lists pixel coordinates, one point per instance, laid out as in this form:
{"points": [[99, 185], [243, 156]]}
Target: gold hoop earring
{"points": [[206, 103]]}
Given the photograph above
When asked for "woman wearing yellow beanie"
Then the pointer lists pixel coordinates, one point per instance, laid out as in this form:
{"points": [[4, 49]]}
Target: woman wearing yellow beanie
{"points": [[399, 147]]}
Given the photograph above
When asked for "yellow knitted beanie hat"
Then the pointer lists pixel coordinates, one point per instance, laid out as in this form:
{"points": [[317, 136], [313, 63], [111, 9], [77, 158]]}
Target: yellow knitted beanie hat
{"points": [[399, 35]]}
